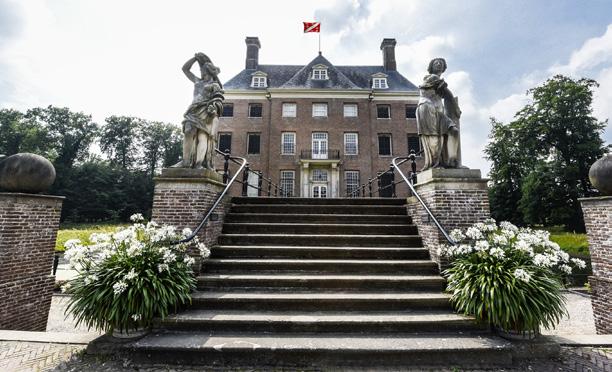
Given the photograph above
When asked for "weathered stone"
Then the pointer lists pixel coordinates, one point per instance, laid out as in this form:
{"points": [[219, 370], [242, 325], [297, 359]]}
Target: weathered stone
{"points": [[26, 172], [191, 173], [600, 174]]}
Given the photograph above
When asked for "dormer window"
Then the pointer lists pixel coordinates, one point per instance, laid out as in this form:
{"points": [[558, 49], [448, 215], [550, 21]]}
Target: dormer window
{"points": [[379, 81], [319, 72], [259, 80]]}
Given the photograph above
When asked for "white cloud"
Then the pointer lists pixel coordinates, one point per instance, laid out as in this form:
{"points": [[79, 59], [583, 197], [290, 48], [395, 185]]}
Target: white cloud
{"points": [[593, 52], [414, 57]]}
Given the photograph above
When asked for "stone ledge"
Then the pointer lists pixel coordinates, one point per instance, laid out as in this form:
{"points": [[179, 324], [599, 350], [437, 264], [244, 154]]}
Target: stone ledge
{"points": [[21, 195], [191, 173], [463, 173]]}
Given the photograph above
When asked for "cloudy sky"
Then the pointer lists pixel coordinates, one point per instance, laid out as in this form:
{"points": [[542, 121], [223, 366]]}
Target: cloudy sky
{"points": [[124, 57]]}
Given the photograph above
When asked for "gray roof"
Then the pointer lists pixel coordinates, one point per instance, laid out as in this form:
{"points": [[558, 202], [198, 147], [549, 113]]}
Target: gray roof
{"points": [[340, 77]]}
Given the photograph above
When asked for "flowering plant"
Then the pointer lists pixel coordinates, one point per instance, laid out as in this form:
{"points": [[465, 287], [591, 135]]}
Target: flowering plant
{"points": [[508, 276], [127, 278]]}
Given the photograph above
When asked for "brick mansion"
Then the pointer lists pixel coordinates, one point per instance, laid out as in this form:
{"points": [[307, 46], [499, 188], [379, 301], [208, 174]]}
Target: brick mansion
{"points": [[318, 130]]}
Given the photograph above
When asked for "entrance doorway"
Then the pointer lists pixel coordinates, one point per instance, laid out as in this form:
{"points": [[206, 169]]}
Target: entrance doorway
{"points": [[319, 191]]}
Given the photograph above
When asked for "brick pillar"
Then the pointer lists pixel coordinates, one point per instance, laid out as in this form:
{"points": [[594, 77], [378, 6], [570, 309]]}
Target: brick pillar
{"points": [[598, 221], [458, 198], [182, 197], [28, 231]]}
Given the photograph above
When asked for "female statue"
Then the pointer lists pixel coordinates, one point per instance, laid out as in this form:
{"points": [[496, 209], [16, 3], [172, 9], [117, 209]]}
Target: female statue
{"points": [[201, 119]]}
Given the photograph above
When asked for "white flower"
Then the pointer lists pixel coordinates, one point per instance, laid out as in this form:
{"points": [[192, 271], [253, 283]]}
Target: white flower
{"points": [[136, 217], [507, 226], [474, 233], [523, 275], [204, 252], [564, 256], [579, 263], [566, 269], [457, 235], [66, 287], [131, 275], [99, 238], [72, 243], [135, 248], [481, 245], [497, 252], [136, 317], [542, 260], [119, 287], [169, 257], [186, 232], [500, 239], [162, 267], [90, 279], [124, 235], [189, 260]]}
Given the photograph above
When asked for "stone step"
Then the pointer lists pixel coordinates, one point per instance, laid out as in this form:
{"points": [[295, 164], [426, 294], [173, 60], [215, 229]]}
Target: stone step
{"points": [[318, 218], [319, 322], [322, 240], [329, 266], [320, 209], [318, 228], [319, 201], [320, 301], [314, 351], [321, 282], [318, 252]]}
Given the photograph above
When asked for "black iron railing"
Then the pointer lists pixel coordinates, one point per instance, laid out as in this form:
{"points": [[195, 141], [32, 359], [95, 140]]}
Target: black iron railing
{"points": [[384, 185], [329, 155]]}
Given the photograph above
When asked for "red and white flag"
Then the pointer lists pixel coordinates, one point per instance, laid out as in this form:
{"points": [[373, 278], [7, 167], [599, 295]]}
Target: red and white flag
{"points": [[312, 27]]}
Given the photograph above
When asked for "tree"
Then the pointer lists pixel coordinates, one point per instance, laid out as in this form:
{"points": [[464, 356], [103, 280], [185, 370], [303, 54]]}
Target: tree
{"points": [[119, 140], [159, 145], [18, 135], [556, 139]]}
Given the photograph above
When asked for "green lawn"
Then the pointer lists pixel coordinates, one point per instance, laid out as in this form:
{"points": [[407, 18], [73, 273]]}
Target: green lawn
{"points": [[82, 231], [571, 242]]}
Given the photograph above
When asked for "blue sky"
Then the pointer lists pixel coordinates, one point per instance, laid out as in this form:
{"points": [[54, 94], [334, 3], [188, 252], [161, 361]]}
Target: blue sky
{"points": [[124, 57]]}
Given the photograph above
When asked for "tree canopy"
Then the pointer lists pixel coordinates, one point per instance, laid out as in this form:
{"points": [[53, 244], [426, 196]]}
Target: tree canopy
{"points": [[541, 159]]}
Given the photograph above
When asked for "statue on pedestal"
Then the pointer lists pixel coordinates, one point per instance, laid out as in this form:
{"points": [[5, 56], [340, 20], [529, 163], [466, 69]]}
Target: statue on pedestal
{"points": [[201, 119], [438, 119]]}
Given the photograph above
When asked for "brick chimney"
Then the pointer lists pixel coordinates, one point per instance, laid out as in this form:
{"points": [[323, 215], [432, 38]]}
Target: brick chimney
{"points": [[388, 49], [252, 56]]}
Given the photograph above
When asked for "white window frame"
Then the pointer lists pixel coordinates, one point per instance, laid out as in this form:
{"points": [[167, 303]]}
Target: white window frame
{"points": [[350, 113], [319, 74], [348, 141], [379, 83], [354, 184], [289, 110], [319, 110], [259, 82], [285, 181], [287, 144], [320, 175]]}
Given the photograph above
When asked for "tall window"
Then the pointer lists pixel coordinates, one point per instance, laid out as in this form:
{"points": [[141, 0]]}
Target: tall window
{"points": [[319, 175], [259, 82], [288, 143], [352, 181], [289, 110], [384, 145], [379, 83], [351, 143], [253, 140], [255, 110], [350, 110], [319, 109], [383, 111], [410, 112], [225, 142], [414, 143], [228, 110], [287, 182], [319, 74]]}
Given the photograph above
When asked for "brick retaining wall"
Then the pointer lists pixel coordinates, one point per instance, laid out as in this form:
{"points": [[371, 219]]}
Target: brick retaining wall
{"points": [[28, 231], [598, 221]]}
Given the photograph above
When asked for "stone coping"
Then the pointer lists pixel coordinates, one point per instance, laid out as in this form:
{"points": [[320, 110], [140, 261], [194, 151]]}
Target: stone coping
{"points": [[190, 173], [188, 180], [596, 198], [51, 337], [434, 173], [26, 195], [583, 340]]}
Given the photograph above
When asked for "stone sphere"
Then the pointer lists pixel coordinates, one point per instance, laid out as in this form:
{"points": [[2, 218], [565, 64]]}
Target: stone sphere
{"points": [[600, 174], [29, 173]]}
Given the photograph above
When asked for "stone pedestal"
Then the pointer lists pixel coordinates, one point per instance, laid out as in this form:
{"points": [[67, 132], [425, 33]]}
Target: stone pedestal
{"points": [[598, 221], [183, 196], [28, 231], [458, 198]]}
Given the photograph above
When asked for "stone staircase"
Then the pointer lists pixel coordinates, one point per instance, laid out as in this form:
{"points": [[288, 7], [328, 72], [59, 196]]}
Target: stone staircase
{"points": [[321, 282]]}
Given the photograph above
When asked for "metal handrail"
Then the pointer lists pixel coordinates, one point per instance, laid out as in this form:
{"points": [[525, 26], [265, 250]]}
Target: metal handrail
{"points": [[396, 164], [219, 197]]}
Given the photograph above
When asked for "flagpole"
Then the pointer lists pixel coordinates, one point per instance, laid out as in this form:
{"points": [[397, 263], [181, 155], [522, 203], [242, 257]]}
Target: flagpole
{"points": [[319, 41]]}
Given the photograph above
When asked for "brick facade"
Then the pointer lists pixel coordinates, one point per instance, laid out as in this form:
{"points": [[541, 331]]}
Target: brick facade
{"points": [[28, 231], [183, 202], [458, 198], [598, 221]]}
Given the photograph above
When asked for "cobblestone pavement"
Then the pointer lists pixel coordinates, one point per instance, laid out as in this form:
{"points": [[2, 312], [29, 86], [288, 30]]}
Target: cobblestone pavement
{"points": [[35, 356]]}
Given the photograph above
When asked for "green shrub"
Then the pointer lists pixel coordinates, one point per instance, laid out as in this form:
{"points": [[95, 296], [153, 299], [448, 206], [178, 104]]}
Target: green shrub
{"points": [[508, 277], [128, 278]]}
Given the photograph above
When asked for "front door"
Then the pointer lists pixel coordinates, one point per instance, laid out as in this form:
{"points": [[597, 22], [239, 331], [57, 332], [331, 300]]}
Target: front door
{"points": [[319, 145], [319, 191]]}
